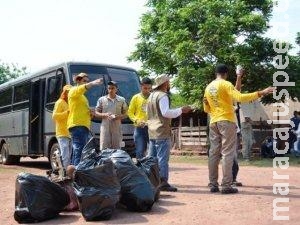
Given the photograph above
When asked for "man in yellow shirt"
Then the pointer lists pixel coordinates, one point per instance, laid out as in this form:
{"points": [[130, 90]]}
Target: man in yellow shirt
{"points": [[60, 116], [79, 119], [137, 114], [218, 102]]}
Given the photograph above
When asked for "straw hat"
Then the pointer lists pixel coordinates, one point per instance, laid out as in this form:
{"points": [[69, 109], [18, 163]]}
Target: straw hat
{"points": [[79, 76], [161, 79]]}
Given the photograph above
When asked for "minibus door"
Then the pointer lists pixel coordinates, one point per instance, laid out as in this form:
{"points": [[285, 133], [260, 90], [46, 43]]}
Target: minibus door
{"points": [[36, 117]]}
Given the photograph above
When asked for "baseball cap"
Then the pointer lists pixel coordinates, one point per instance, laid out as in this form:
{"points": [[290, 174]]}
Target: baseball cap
{"points": [[114, 83]]}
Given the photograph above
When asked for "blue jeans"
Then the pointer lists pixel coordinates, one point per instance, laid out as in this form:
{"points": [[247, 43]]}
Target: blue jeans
{"points": [[160, 148], [296, 148], [65, 150], [79, 135], [141, 139]]}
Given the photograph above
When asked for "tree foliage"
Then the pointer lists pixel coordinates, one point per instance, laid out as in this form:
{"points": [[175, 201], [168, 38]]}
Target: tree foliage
{"points": [[8, 72], [298, 40], [187, 38]]}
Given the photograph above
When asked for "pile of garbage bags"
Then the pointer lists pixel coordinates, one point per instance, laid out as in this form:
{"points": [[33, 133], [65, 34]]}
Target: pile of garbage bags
{"points": [[101, 180], [38, 199]]}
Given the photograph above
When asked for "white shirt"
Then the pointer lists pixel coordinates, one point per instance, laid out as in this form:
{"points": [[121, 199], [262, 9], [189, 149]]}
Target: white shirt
{"points": [[298, 132], [165, 109]]}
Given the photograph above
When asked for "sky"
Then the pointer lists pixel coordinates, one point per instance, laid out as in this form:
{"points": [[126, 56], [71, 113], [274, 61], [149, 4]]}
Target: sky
{"points": [[285, 22], [41, 33]]}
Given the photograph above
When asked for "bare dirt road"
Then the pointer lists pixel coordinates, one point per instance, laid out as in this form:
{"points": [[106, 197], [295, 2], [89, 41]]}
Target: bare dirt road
{"points": [[192, 204]]}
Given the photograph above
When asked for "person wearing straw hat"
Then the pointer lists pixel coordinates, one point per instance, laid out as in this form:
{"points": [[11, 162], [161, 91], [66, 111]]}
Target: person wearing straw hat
{"points": [[79, 119], [159, 127], [60, 116]]}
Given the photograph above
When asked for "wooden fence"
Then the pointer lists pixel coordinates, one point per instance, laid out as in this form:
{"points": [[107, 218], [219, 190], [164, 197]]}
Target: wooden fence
{"points": [[189, 140], [194, 140]]}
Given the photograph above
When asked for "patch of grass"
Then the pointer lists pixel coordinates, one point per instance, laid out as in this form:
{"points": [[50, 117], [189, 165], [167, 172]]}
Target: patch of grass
{"points": [[10, 169], [200, 160], [268, 162], [258, 162]]}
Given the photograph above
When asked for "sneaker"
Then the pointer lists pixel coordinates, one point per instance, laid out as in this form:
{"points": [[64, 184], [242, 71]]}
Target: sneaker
{"points": [[214, 189], [237, 184], [229, 190], [167, 187]]}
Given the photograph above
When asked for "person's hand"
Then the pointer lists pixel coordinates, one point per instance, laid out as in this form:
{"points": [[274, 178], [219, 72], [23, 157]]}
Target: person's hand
{"points": [[97, 81], [70, 171], [106, 115], [92, 113], [266, 91], [186, 109], [141, 123], [240, 75], [240, 71], [112, 116], [116, 117]]}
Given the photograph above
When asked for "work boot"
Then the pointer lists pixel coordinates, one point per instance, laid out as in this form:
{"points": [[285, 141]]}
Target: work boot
{"points": [[229, 190], [214, 187], [165, 186], [236, 184]]}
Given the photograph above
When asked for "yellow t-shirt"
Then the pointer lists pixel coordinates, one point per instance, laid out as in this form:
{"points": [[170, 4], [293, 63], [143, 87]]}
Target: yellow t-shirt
{"points": [[79, 114], [137, 109], [60, 116], [221, 95]]}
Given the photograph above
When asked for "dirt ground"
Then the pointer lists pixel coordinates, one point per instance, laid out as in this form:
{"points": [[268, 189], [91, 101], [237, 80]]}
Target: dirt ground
{"points": [[192, 204]]}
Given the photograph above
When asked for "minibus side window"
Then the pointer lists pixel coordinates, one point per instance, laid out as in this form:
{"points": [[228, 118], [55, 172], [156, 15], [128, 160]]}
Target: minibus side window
{"points": [[54, 88], [5, 100], [21, 96]]}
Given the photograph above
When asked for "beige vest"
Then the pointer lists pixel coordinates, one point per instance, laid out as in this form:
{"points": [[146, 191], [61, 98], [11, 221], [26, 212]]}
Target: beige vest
{"points": [[159, 127]]}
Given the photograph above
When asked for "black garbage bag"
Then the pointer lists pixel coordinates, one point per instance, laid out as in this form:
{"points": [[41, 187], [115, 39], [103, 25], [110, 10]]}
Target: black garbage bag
{"points": [[150, 167], [37, 198], [97, 189], [137, 192], [90, 157]]}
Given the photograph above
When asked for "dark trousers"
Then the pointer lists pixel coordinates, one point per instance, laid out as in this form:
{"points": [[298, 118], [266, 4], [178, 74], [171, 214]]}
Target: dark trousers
{"points": [[235, 169], [235, 165]]}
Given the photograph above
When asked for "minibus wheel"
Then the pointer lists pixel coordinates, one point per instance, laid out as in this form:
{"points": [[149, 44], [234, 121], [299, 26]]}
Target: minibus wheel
{"points": [[6, 158], [53, 156]]}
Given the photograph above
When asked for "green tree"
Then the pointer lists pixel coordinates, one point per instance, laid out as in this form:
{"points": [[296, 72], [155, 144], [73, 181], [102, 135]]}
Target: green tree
{"points": [[298, 40], [177, 100], [298, 43], [8, 72], [187, 38]]}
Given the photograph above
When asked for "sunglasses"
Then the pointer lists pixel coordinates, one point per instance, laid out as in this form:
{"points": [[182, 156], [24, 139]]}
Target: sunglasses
{"points": [[83, 79]]}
